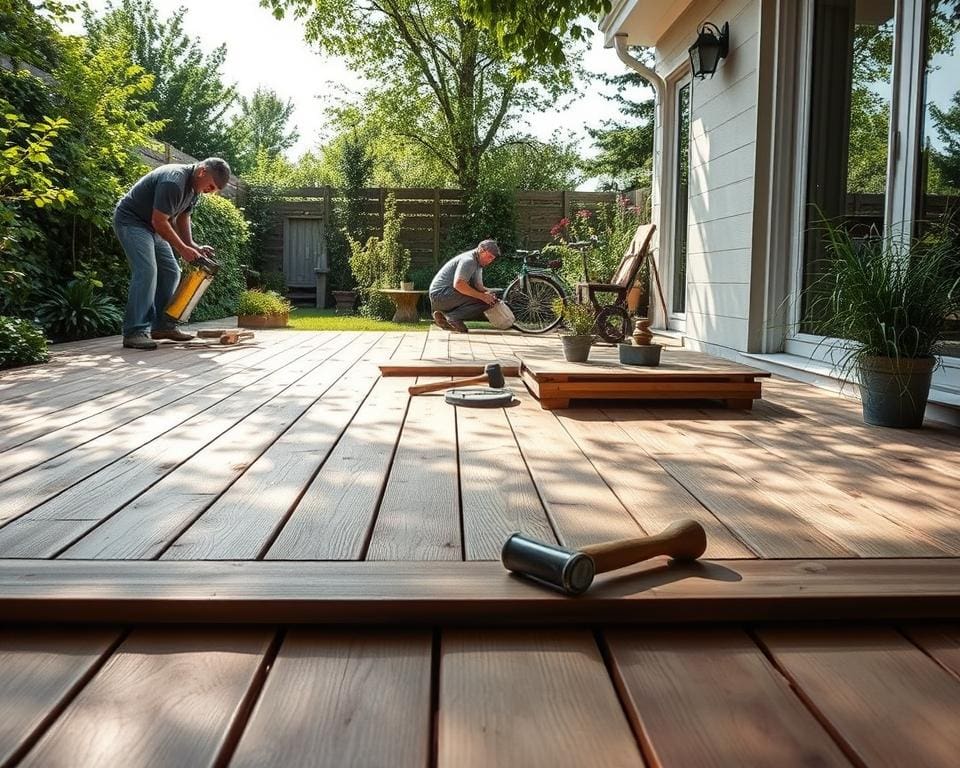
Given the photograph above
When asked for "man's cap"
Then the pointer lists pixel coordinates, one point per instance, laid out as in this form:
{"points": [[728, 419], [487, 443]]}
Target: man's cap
{"points": [[489, 245]]}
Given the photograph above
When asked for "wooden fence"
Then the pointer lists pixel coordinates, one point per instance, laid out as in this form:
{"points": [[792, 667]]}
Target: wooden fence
{"points": [[429, 216]]}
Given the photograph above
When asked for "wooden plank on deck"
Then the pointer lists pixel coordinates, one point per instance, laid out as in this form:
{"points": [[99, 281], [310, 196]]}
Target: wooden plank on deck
{"points": [[890, 704], [40, 670], [710, 697], [474, 592], [164, 698], [539, 701], [343, 699]]}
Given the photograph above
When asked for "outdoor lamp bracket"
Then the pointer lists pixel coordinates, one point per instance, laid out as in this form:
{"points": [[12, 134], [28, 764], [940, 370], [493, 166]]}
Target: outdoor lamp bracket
{"points": [[712, 45]]}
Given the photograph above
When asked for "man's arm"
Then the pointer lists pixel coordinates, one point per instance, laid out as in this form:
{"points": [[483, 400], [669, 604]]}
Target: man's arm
{"points": [[183, 225], [161, 225], [464, 287]]}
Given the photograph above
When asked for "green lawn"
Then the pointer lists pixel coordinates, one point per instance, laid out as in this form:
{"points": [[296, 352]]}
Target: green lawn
{"points": [[307, 319]]}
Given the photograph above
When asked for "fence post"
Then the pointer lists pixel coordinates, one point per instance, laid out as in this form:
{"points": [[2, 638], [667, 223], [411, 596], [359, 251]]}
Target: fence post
{"points": [[436, 227], [383, 208], [564, 202]]}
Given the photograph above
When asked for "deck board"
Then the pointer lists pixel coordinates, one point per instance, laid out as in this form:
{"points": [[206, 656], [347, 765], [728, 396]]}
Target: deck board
{"points": [[711, 698], [518, 699], [889, 703], [339, 699], [163, 698]]}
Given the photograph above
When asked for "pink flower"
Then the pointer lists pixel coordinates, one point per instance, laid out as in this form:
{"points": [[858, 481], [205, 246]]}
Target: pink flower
{"points": [[584, 214]]}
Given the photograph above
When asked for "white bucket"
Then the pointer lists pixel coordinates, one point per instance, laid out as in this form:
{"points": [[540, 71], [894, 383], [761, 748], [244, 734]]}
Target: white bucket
{"points": [[500, 316]]}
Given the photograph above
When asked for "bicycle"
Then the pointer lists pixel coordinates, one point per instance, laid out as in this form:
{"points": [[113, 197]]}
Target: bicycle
{"points": [[531, 295]]}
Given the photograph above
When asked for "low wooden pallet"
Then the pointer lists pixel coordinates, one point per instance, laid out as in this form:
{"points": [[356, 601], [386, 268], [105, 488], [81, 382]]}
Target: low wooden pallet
{"points": [[680, 376]]}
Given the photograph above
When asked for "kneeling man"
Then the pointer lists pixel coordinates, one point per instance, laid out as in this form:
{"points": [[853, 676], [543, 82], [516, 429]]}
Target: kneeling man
{"points": [[457, 292]]}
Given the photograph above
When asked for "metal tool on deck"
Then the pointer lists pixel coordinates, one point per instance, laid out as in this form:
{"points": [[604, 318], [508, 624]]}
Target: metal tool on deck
{"points": [[193, 284], [572, 571], [479, 397], [227, 336], [492, 376]]}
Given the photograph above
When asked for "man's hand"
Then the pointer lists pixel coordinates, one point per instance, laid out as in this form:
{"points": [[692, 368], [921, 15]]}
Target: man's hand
{"points": [[206, 250], [488, 298], [190, 254]]}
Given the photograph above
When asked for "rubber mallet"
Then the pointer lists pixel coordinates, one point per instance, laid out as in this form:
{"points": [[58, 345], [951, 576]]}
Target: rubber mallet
{"points": [[572, 571], [492, 376]]}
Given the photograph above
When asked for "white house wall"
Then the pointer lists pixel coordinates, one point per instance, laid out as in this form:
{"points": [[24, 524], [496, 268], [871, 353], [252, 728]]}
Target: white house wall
{"points": [[722, 174]]}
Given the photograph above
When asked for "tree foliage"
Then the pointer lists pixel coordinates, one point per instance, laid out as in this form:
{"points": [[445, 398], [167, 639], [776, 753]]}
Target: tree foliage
{"points": [[262, 129], [536, 30], [188, 91], [442, 83]]}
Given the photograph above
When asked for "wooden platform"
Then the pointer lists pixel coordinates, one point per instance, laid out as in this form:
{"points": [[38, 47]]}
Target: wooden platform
{"points": [[681, 375], [271, 555]]}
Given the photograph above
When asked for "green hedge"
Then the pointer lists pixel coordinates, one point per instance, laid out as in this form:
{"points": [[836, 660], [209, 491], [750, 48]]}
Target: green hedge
{"points": [[218, 222], [21, 343]]}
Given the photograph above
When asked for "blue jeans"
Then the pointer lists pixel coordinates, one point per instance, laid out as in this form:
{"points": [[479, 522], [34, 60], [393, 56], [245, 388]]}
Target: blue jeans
{"points": [[154, 275]]}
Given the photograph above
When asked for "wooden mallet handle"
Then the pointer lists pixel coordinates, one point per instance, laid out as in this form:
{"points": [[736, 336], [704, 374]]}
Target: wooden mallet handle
{"points": [[684, 540], [421, 389]]}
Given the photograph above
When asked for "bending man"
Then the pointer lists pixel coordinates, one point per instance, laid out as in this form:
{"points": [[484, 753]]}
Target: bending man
{"points": [[152, 221], [457, 292]]}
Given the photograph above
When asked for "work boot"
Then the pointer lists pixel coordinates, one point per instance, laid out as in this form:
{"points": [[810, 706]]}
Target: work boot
{"points": [[139, 341], [457, 326], [441, 319], [174, 334]]}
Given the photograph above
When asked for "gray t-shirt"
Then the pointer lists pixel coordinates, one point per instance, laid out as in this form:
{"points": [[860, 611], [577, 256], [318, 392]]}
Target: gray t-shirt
{"points": [[166, 189], [463, 266]]}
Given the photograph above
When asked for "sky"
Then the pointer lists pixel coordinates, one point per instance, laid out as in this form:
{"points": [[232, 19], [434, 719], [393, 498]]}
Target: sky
{"points": [[262, 51]]}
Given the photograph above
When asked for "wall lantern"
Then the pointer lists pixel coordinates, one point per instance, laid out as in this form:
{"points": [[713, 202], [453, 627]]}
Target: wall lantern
{"points": [[711, 46]]}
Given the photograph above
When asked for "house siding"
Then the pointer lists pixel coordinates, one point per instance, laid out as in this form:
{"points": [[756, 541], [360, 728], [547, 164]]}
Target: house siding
{"points": [[723, 151]]}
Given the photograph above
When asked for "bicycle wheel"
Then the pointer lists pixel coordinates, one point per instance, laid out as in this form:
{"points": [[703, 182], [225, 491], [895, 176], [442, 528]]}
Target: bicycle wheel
{"points": [[533, 309], [613, 322]]}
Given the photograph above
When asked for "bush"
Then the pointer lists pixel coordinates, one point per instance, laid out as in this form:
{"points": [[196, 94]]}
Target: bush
{"points": [[79, 311], [261, 303], [218, 222], [275, 281], [21, 343], [489, 213], [381, 262]]}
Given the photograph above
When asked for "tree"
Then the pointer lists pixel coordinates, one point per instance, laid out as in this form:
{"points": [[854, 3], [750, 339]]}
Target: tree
{"points": [[531, 164], [625, 157], [536, 30], [947, 159], [28, 33], [262, 126], [442, 83], [188, 90]]}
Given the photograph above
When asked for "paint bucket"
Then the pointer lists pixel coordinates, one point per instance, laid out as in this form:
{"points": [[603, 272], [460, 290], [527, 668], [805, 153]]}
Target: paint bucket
{"points": [[500, 316]]}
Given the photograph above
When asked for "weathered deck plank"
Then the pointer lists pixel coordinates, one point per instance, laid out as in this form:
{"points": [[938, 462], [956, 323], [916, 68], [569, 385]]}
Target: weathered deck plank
{"points": [[889, 704], [340, 699], [517, 699], [711, 698]]}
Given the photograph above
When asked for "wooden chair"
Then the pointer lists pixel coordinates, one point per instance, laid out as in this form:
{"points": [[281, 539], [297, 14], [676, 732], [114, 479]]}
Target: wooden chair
{"points": [[612, 318]]}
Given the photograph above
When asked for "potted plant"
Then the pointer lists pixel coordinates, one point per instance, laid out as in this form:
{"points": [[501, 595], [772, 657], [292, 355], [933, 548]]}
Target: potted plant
{"points": [[346, 301], [886, 301], [262, 309], [579, 319]]}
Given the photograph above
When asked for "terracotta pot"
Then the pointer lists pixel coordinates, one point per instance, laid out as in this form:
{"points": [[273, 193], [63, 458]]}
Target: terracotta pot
{"points": [[345, 301], [263, 321]]}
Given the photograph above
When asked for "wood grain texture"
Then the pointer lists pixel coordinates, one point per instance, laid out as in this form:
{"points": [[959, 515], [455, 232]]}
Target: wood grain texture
{"points": [[645, 488], [580, 504], [890, 704], [710, 698], [531, 701], [939, 641], [474, 592], [145, 527], [163, 698], [332, 520], [419, 514], [497, 492], [343, 699], [39, 671]]}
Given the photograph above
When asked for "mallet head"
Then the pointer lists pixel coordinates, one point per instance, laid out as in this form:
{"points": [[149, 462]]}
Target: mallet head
{"points": [[555, 566], [494, 375]]}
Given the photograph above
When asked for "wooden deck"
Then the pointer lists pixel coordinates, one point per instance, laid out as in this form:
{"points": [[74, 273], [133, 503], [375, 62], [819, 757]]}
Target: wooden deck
{"points": [[266, 500]]}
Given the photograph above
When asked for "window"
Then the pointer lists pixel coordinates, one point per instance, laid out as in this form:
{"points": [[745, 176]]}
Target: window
{"points": [[681, 200]]}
